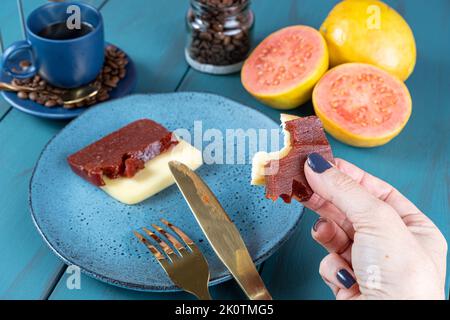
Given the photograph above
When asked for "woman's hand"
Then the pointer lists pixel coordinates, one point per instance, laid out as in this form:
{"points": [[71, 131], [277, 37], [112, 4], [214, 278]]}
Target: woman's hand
{"points": [[380, 245]]}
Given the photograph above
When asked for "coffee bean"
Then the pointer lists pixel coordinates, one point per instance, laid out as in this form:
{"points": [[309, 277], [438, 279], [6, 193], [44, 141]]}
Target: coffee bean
{"points": [[32, 96], [24, 64], [204, 45], [239, 36], [205, 36], [216, 48], [226, 41], [69, 106], [217, 27], [112, 82], [50, 103], [103, 96], [22, 95], [40, 100], [194, 51], [219, 36], [112, 64]]}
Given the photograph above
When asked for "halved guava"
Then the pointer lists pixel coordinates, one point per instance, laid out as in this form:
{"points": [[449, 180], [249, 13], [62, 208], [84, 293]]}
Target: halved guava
{"points": [[282, 71], [362, 105]]}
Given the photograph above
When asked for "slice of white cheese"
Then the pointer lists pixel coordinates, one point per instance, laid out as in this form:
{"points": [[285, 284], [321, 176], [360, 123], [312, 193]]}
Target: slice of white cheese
{"points": [[155, 177], [261, 159]]}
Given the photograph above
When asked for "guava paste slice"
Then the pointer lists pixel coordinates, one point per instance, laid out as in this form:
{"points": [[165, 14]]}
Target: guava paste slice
{"points": [[122, 153], [285, 177]]}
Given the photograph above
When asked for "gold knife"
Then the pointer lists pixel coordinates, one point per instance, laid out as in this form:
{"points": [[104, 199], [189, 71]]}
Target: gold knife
{"points": [[220, 231]]}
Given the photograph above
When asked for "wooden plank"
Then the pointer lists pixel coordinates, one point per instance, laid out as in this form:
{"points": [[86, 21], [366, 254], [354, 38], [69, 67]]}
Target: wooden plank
{"points": [[152, 33], [4, 108], [95, 290], [292, 273], [29, 269]]}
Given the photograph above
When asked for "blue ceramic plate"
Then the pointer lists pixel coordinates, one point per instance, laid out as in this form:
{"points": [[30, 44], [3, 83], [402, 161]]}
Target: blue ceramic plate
{"points": [[87, 228], [125, 87]]}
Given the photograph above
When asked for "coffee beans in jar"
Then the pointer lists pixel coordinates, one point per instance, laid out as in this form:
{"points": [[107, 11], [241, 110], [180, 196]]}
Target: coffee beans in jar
{"points": [[219, 35]]}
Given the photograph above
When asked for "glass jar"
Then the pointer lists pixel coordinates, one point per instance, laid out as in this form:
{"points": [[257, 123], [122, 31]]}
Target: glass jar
{"points": [[219, 35]]}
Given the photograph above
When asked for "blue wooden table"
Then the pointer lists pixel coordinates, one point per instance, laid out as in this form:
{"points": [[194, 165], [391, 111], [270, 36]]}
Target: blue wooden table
{"points": [[153, 33]]}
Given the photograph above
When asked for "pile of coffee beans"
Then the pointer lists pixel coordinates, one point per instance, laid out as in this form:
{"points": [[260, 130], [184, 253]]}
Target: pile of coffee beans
{"points": [[113, 71], [223, 38]]}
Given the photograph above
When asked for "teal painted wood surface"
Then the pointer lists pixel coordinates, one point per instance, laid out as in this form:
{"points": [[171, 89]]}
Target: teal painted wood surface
{"points": [[30, 270], [95, 290], [4, 108], [152, 32]]}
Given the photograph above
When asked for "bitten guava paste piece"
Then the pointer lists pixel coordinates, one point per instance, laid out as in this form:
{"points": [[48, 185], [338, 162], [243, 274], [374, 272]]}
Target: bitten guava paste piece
{"points": [[122, 153], [283, 172]]}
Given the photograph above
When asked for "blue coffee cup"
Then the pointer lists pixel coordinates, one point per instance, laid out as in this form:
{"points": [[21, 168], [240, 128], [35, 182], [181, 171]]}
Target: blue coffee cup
{"points": [[67, 63]]}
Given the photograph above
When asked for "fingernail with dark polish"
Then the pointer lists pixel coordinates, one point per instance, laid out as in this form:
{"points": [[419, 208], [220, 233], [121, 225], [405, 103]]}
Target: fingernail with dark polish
{"points": [[317, 163], [317, 223], [345, 278]]}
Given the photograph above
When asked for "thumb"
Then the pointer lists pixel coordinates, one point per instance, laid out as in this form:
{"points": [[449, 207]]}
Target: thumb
{"points": [[362, 209]]}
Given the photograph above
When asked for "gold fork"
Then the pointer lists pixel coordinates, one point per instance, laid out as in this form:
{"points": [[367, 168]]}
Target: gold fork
{"points": [[186, 267]]}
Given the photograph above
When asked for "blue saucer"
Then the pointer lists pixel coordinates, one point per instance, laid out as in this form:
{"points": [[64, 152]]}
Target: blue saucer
{"points": [[87, 228], [125, 87]]}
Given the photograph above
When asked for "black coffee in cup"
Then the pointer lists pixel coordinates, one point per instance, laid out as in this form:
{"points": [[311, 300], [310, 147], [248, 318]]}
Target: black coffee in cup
{"points": [[63, 57], [60, 31]]}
